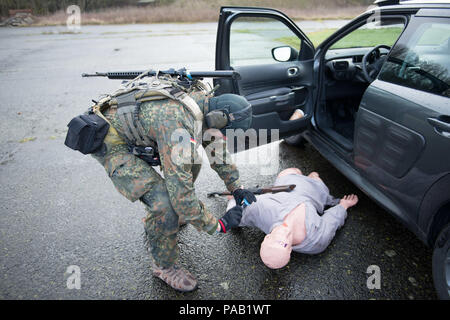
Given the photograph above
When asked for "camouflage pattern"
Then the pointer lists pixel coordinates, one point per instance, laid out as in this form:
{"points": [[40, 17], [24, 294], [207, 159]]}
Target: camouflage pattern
{"points": [[131, 175], [171, 200]]}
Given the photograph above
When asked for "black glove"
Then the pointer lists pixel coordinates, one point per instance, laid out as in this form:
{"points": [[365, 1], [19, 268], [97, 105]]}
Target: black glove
{"points": [[231, 219], [241, 194]]}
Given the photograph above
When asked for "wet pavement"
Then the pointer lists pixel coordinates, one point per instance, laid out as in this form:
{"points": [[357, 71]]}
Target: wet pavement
{"points": [[59, 209]]}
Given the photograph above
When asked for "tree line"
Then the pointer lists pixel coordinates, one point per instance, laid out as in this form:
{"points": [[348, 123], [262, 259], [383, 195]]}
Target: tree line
{"points": [[43, 7]]}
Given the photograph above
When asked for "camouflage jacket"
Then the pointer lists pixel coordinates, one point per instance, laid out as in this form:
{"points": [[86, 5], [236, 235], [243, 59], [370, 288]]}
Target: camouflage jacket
{"points": [[160, 120]]}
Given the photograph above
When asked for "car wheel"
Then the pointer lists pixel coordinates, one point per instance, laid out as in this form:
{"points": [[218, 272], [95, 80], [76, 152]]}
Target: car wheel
{"points": [[441, 264], [295, 140]]}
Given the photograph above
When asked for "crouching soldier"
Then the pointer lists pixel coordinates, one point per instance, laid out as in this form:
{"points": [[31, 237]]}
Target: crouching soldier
{"points": [[147, 117]]}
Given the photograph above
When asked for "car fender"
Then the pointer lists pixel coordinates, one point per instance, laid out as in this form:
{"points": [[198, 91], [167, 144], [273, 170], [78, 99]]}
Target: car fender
{"points": [[437, 196]]}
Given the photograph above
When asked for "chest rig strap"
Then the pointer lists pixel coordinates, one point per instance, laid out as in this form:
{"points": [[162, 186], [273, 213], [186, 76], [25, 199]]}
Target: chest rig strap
{"points": [[128, 111], [128, 107]]}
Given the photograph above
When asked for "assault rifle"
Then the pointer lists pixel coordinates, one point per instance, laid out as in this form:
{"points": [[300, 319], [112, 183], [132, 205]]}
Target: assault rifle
{"points": [[274, 189], [184, 77]]}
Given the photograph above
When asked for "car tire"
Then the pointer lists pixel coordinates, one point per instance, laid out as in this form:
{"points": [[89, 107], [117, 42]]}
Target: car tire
{"points": [[295, 140], [441, 264]]}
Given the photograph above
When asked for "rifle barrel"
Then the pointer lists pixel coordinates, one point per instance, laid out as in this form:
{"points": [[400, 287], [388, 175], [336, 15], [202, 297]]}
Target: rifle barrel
{"points": [[129, 75]]}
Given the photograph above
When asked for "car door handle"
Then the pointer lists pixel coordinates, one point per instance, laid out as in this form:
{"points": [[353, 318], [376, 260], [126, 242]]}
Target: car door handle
{"points": [[292, 71], [442, 125]]}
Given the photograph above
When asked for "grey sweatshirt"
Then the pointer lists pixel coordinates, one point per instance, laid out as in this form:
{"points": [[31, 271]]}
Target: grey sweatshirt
{"points": [[270, 210]]}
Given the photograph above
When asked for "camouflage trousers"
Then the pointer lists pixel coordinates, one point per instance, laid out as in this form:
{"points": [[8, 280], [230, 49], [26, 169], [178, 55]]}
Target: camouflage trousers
{"points": [[135, 179], [162, 223]]}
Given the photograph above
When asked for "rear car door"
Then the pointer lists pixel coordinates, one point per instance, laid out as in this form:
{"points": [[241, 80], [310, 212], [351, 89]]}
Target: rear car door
{"points": [[402, 130], [275, 61]]}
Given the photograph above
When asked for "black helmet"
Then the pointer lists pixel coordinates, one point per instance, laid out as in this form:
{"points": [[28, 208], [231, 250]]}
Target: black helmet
{"points": [[229, 111]]}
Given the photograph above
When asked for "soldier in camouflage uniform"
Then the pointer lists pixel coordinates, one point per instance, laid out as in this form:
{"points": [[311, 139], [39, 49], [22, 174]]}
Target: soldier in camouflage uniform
{"points": [[169, 201]]}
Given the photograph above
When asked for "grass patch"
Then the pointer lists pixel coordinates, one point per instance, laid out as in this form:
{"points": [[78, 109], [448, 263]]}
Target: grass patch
{"points": [[316, 38], [125, 32], [369, 38], [60, 32], [358, 38], [27, 139], [243, 31]]}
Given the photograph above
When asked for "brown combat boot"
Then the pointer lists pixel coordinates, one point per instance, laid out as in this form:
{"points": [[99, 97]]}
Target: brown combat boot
{"points": [[176, 277]]}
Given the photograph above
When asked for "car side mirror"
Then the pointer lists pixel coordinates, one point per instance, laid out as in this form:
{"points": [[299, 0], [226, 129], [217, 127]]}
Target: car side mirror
{"points": [[284, 53]]}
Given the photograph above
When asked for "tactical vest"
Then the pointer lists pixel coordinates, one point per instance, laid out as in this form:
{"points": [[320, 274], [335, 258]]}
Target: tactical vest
{"points": [[129, 97]]}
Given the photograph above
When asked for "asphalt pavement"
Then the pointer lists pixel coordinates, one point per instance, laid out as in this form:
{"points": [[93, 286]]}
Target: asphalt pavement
{"points": [[59, 209]]}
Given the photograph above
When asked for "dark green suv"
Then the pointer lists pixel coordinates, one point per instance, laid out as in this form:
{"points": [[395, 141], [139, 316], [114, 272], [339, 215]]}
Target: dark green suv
{"points": [[375, 95]]}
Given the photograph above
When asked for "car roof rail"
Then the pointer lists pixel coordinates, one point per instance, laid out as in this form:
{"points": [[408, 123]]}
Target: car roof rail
{"points": [[382, 3]]}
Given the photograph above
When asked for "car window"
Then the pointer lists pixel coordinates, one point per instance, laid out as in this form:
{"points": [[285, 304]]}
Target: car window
{"points": [[372, 34], [422, 59], [252, 40]]}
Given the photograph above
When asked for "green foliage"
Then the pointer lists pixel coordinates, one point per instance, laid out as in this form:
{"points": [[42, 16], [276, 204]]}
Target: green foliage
{"points": [[42, 7], [358, 38], [369, 38], [292, 4]]}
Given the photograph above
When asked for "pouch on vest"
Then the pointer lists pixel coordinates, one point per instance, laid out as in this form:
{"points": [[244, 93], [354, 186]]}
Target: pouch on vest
{"points": [[86, 133]]}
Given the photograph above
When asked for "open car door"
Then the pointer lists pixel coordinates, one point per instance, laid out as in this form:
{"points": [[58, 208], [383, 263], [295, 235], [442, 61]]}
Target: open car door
{"points": [[275, 61]]}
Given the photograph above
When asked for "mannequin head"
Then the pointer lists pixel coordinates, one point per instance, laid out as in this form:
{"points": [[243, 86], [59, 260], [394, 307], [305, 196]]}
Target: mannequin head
{"points": [[276, 248]]}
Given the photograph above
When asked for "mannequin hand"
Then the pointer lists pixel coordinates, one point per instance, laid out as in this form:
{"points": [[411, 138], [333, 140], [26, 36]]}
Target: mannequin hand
{"points": [[349, 201]]}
